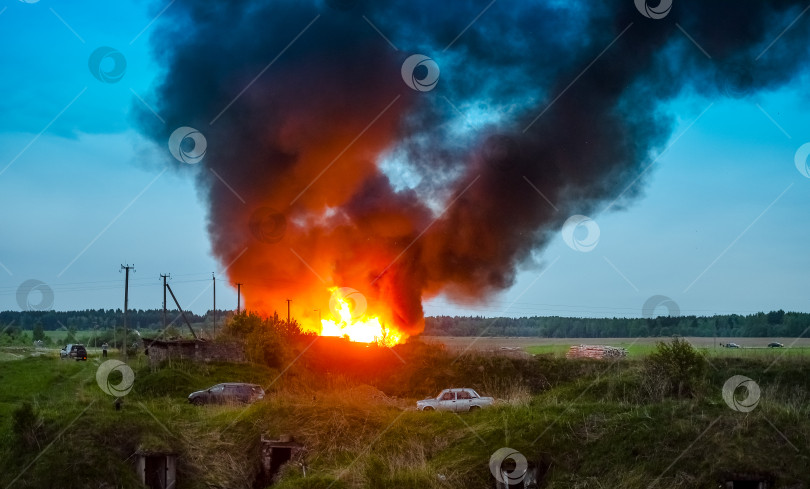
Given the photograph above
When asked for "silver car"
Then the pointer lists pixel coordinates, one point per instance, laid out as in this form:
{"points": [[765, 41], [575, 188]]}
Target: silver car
{"points": [[455, 400]]}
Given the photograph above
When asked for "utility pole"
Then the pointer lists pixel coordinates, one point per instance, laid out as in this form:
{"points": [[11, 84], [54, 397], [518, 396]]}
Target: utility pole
{"points": [[288, 310], [214, 277], [126, 267], [164, 277], [182, 313], [238, 298], [715, 333]]}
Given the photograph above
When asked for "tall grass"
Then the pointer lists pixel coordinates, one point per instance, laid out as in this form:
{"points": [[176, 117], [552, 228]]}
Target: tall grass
{"points": [[588, 423]]}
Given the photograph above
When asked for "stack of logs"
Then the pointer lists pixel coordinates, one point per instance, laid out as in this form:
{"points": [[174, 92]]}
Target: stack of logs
{"points": [[595, 351]]}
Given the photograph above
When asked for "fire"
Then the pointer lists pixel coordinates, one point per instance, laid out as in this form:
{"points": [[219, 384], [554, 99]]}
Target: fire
{"points": [[348, 307]]}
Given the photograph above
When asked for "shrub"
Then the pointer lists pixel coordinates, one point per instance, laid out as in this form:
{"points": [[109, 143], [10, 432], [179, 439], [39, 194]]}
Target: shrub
{"points": [[675, 369], [269, 341]]}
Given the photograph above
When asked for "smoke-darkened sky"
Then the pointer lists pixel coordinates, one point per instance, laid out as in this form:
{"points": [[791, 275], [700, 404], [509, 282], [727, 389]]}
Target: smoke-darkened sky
{"points": [[570, 159]]}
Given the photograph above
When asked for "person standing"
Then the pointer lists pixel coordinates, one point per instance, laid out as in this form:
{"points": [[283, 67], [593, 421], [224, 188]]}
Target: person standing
{"points": [[104, 349]]}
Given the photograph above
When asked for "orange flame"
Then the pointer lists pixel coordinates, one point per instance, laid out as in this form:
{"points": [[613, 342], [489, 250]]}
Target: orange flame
{"points": [[349, 306]]}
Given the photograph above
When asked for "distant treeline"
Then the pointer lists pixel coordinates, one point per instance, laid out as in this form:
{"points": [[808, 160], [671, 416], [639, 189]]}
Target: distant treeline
{"points": [[98, 319], [771, 324], [774, 323]]}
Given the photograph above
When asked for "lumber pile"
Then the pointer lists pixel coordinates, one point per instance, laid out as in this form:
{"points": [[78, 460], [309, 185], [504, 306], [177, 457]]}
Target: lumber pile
{"points": [[595, 351]]}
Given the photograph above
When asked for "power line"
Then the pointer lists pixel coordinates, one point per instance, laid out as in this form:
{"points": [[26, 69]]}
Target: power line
{"points": [[60, 288]]}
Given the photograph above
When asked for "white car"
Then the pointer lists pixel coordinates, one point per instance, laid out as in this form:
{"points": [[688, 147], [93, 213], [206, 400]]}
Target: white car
{"points": [[455, 400]]}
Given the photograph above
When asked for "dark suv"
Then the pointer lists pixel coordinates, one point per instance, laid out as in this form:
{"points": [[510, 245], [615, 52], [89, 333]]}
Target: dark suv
{"points": [[74, 350], [231, 392]]}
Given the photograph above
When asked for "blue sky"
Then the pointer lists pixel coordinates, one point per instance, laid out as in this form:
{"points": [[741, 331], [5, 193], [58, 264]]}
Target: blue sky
{"points": [[711, 230], [721, 226]]}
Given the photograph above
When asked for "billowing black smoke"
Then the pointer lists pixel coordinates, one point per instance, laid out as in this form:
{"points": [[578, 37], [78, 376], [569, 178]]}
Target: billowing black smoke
{"points": [[324, 168]]}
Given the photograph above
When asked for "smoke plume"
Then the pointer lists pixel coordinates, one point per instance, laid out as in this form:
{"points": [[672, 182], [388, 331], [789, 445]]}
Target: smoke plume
{"points": [[324, 168]]}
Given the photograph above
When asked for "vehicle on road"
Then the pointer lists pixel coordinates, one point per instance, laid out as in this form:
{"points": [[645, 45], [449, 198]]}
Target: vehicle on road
{"points": [[775, 344], [455, 400], [74, 350], [732, 345], [227, 393]]}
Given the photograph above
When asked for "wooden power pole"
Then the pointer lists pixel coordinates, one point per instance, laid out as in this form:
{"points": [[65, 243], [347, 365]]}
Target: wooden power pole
{"points": [[214, 277], [182, 313], [164, 277], [126, 267], [288, 310], [238, 298]]}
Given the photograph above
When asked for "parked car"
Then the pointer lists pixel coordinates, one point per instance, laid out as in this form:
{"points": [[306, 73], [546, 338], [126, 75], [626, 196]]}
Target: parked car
{"points": [[775, 344], [230, 392], [74, 350], [455, 400], [732, 345]]}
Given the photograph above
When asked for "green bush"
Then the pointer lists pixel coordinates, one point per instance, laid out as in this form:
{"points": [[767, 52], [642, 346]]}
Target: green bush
{"points": [[269, 341], [674, 369]]}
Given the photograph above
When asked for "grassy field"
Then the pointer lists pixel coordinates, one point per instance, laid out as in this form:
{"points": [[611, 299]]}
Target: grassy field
{"points": [[583, 423], [636, 347]]}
